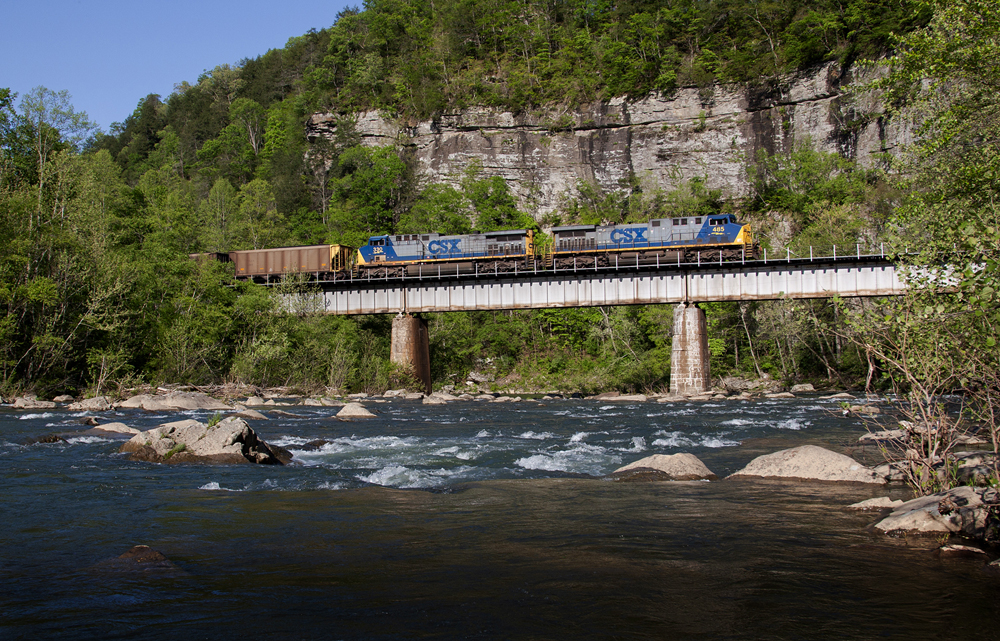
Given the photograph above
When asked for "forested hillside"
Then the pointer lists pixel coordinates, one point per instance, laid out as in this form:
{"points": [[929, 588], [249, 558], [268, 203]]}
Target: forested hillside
{"points": [[95, 230]]}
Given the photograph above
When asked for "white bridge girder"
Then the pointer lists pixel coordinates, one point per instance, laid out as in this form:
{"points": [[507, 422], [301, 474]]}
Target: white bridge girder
{"points": [[591, 289]]}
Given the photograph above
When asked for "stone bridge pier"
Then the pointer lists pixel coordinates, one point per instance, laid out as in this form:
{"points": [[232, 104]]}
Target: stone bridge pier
{"points": [[410, 347], [689, 355]]}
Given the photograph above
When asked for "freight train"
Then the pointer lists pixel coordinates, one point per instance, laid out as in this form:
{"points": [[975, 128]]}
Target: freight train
{"points": [[660, 241]]}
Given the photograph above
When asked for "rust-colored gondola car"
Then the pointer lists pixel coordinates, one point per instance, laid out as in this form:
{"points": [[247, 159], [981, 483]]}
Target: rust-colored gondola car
{"points": [[321, 261]]}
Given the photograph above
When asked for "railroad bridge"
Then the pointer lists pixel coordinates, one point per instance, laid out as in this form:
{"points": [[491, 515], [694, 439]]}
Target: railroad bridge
{"points": [[434, 289]]}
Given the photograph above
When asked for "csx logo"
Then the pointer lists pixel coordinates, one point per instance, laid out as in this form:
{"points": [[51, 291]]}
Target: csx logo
{"points": [[443, 246], [634, 235]]}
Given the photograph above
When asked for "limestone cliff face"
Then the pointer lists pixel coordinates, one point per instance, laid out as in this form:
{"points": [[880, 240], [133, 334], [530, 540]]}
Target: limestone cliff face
{"points": [[663, 140]]}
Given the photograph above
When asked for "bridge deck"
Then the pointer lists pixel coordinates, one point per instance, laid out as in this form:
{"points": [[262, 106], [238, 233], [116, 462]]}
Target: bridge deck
{"points": [[803, 278]]}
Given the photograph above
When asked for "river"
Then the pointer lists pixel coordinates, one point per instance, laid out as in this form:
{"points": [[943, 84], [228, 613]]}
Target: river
{"points": [[469, 521]]}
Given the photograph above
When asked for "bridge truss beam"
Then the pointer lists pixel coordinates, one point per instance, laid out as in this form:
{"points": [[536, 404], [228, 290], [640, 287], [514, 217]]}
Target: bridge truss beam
{"points": [[636, 287]]}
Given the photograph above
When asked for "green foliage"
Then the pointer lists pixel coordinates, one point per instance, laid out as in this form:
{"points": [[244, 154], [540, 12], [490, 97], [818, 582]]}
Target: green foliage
{"points": [[97, 290], [419, 57], [176, 449], [944, 79], [441, 208], [806, 180]]}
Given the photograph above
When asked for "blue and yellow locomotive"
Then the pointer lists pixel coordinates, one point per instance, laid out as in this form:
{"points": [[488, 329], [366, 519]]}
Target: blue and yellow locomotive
{"points": [[426, 254], [660, 241]]}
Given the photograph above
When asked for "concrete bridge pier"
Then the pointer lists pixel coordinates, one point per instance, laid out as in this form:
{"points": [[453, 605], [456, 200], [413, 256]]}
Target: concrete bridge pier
{"points": [[689, 355], [410, 347]]}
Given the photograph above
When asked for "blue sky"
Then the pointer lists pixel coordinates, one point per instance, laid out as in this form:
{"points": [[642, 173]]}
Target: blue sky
{"points": [[109, 54]]}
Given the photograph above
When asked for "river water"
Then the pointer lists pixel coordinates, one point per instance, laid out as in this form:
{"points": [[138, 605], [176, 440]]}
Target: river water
{"points": [[470, 520]]}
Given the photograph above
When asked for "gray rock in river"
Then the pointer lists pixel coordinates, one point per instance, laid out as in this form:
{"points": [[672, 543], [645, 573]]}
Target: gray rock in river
{"points": [[251, 415], [354, 410], [810, 462], [117, 428], [877, 503], [32, 403], [95, 404], [139, 558], [959, 510], [175, 401], [228, 441], [660, 467]]}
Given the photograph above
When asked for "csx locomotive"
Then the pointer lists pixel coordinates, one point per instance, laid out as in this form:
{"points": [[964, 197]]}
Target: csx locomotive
{"points": [[659, 241]]}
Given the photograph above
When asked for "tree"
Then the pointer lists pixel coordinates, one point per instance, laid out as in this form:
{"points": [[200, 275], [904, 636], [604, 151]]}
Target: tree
{"points": [[53, 122], [944, 79], [373, 187]]}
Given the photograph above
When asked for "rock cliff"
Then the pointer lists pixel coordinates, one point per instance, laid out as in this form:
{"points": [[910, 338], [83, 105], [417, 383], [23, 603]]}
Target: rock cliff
{"points": [[708, 133]]}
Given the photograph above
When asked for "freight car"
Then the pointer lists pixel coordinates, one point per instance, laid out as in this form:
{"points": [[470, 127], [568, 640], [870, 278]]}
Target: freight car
{"points": [[425, 254], [660, 241], [323, 262]]}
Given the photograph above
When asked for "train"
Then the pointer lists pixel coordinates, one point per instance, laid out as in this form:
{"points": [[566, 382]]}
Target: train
{"points": [[659, 241]]}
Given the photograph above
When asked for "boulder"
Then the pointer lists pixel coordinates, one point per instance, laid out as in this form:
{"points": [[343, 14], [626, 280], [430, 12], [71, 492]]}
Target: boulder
{"points": [[434, 400], [139, 558], [961, 550], [251, 415], [606, 396], [444, 396], [843, 395], [670, 398], [96, 404], [878, 503], [970, 440], [174, 401], [354, 410], [675, 467], [31, 403], [959, 510], [284, 413], [974, 468], [640, 398], [893, 472], [393, 393], [736, 384], [64, 398], [780, 395], [869, 410], [117, 428], [312, 402], [810, 462], [802, 388], [885, 436], [329, 402], [254, 400], [228, 441], [413, 396]]}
